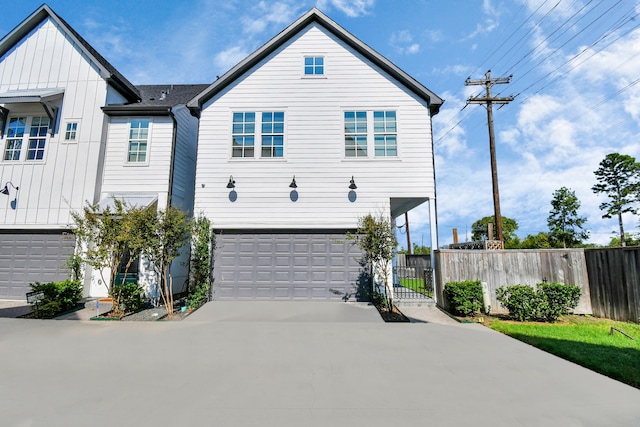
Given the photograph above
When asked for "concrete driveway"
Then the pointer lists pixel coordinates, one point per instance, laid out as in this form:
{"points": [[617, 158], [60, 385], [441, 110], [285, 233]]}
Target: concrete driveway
{"points": [[222, 368]]}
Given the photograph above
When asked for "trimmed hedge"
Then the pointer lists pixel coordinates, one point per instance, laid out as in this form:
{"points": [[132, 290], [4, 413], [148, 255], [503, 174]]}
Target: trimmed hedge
{"points": [[464, 298], [547, 302]]}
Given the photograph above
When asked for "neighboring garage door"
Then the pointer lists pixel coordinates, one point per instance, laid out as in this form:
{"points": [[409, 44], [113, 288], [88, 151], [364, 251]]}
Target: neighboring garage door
{"points": [[287, 266], [32, 257]]}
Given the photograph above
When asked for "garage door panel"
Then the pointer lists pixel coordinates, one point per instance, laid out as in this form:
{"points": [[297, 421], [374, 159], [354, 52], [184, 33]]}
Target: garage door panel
{"points": [[285, 266], [32, 257]]}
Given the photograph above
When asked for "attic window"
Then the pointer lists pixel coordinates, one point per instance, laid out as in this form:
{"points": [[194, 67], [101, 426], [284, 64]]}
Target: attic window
{"points": [[314, 65]]}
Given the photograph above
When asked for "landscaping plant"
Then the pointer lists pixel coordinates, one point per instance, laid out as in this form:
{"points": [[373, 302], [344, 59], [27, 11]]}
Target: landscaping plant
{"points": [[464, 298], [547, 302], [376, 238], [57, 298], [202, 245]]}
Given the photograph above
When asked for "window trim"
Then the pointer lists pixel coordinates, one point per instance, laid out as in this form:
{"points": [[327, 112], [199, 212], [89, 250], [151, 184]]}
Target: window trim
{"points": [[127, 150], [314, 56], [76, 131], [243, 134], [26, 140], [371, 134], [258, 135]]}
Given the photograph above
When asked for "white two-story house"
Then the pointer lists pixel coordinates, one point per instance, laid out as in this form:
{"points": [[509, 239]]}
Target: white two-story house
{"points": [[298, 141], [73, 130]]}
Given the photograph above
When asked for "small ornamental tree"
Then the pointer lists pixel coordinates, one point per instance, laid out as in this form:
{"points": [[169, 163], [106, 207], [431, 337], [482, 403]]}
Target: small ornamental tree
{"points": [[619, 179], [377, 239], [170, 233]]}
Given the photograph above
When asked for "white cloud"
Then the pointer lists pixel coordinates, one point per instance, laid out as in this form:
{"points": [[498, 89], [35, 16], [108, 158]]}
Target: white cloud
{"points": [[403, 43], [351, 8], [229, 57], [266, 13]]}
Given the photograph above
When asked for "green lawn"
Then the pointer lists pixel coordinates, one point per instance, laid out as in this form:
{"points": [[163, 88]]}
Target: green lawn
{"points": [[416, 285], [585, 341]]}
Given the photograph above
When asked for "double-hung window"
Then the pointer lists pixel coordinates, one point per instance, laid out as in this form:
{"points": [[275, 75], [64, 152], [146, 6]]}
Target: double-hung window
{"points": [[355, 134], [243, 134], [362, 138], [138, 141], [385, 134], [273, 134], [29, 132], [71, 131]]}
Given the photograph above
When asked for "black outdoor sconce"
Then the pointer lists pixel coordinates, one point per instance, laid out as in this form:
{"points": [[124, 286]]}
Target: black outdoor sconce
{"points": [[352, 190], [233, 196], [5, 190], [294, 193]]}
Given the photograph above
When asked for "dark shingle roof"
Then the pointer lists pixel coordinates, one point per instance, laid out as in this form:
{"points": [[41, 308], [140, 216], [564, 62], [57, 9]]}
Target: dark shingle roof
{"points": [[157, 100], [109, 73]]}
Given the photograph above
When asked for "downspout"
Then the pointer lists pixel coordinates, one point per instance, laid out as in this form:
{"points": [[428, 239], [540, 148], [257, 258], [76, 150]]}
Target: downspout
{"points": [[174, 140]]}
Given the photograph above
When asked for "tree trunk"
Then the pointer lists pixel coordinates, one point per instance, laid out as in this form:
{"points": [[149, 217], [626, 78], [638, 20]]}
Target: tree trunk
{"points": [[623, 243]]}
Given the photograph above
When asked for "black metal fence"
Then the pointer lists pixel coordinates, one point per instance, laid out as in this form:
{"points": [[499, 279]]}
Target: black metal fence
{"points": [[412, 282]]}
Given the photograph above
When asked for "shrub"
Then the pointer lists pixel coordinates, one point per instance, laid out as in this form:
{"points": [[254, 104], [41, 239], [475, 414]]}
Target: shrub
{"points": [[58, 297], [522, 301], [464, 298], [547, 302], [559, 299], [129, 296]]}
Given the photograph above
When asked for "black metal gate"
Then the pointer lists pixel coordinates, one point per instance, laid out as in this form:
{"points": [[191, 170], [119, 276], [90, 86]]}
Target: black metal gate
{"points": [[412, 282]]}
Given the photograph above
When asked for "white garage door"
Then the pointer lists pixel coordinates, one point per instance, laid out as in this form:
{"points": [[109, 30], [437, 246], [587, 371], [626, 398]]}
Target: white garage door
{"points": [[32, 257], [288, 266]]}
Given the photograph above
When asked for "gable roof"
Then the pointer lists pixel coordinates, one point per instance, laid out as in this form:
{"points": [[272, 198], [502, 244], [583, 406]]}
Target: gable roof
{"points": [[156, 99], [107, 71], [315, 15]]}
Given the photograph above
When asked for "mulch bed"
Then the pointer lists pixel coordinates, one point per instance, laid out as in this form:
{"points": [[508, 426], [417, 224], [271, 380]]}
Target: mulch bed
{"points": [[392, 316]]}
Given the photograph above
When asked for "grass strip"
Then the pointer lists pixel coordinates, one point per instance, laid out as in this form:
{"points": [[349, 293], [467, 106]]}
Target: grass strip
{"points": [[586, 341]]}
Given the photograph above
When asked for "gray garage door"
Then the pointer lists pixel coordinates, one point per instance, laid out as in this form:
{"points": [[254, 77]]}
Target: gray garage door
{"points": [[287, 266], [32, 257]]}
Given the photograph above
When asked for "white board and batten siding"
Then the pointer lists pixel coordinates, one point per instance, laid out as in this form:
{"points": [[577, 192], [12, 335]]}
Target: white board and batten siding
{"points": [[314, 148], [59, 184]]}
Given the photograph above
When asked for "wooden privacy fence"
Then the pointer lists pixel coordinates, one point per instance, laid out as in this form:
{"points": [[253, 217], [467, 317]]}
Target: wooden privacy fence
{"points": [[513, 267], [614, 279]]}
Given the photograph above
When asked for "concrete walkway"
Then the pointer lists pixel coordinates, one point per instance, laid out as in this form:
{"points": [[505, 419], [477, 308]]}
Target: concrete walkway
{"points": [[260, 368]]}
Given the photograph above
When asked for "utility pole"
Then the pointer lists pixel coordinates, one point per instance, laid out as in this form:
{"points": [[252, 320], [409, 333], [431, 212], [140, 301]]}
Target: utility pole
{"points": [[489, 100], [406, 221]]}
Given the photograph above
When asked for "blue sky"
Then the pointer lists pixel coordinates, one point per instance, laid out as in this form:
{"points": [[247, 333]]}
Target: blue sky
{"points": [[575, 66]]}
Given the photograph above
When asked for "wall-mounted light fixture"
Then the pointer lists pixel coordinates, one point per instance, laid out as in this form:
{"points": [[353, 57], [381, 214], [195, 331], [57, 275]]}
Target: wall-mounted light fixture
{"points": [[294, 193], [352, 184], [231, 183], [352, 190], [5, 190], [233, 196]]}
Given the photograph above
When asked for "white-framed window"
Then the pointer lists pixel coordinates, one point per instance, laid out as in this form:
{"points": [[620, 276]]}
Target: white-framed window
{"points": [[28, 132], [273, 134], [71, 131], [355, 133], [370, 133], [138, 140], [385, 134], [243, 134], [314, 65]]}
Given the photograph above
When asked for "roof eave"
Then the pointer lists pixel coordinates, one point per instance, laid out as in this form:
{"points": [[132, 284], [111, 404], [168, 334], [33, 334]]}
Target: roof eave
{"points": [[136, 110]]}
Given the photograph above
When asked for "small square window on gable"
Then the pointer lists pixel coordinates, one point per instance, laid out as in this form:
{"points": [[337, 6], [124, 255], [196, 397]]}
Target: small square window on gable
{"points": [[314, 65]]}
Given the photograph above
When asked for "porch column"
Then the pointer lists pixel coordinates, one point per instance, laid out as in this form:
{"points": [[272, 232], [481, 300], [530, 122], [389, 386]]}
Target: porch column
{"points": [[433, 222]]}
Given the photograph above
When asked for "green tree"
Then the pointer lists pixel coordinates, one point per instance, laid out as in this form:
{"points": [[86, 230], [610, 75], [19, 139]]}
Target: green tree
{"points": [[417, 250], [629, 239], [538, 241], [565, 225], [377, 239], [170, 234], [479, 230], [619, 179]]}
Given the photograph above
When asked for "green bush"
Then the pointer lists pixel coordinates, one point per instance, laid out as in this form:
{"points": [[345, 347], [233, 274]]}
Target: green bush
{"points": [[130, 297], [58, 297], [522, 301], [547, 302], [464, 298], [559, 299]]}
